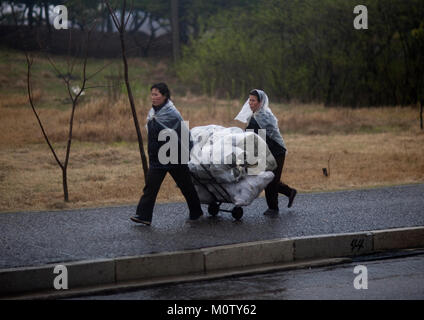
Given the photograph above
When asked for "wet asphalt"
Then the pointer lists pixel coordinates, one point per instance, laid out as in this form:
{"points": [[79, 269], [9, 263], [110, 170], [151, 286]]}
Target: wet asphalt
{"points": [[37, 238], [388, 279]]}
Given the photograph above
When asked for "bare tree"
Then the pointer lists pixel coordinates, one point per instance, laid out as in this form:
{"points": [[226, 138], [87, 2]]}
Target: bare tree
{"points": [[74, 92], [74, 95], [121, 25], [74, 99]]}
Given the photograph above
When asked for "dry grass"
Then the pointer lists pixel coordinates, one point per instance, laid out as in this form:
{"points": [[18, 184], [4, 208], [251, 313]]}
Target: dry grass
{"points": [[366, 147], [99, 120], [316, 119], [108, 173]]}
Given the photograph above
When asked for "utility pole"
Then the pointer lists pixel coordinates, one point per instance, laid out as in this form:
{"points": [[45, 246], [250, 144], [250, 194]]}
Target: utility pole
{"points": [[175, 30]]}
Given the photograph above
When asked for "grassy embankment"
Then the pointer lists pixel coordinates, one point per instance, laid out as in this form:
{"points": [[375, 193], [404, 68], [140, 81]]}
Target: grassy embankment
{"points": [[364, 148]]}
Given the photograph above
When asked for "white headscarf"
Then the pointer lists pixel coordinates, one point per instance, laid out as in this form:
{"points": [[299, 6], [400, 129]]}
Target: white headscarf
{"points": [[264, 117]]}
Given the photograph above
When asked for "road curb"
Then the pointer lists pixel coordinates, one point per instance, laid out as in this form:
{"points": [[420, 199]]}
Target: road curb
{"points": [[333, 245], [401, 238], [247, 254], [159, 265], [149, 283], [207, 261]]}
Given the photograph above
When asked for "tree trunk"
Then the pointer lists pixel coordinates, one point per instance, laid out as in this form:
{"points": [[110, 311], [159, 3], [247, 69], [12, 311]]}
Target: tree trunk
{"points": [[329, 100], [65, 184], [175, 29], [121, 29], [152, 36], [134, 113], [421, 113], [49, 27], [130, 95], [30, 13], [108, 25], [40, 17], [46, 10]]}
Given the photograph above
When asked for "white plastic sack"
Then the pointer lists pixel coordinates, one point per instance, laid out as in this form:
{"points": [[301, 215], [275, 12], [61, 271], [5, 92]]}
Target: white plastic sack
{"points": [[227, 153], [206, 173], [200, 135], [241, 193], [221, 167], [250, 138], [248, 189]]}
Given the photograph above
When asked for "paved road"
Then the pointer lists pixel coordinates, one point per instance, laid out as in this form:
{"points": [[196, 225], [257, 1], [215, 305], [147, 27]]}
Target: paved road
{"points": [[391, 279], [36, 238]]}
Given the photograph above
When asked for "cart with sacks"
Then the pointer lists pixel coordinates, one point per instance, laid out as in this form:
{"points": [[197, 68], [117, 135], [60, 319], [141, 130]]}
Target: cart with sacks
{"points": [[229, 165]]}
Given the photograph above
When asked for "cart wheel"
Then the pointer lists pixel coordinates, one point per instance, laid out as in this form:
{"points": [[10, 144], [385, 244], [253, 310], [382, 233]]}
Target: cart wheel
{"points": [[237, 213], [213, 209]]}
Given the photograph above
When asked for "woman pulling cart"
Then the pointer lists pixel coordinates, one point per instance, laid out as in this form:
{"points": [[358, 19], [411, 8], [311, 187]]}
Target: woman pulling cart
{"points": [[257, 114]]}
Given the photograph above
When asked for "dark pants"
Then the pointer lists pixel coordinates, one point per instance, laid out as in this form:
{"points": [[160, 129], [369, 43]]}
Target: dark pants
{"points": [[182, 177], [276, 186]]}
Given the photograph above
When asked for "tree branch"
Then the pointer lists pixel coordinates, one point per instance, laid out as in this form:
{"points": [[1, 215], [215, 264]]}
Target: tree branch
{"points": [[31, 101], [75, 100], [129, 14], [113, 15]]}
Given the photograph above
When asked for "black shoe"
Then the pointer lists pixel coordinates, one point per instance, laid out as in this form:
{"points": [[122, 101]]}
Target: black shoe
{"points": [[271, 212], [196, 217], [138, 220], [291, 198]]}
